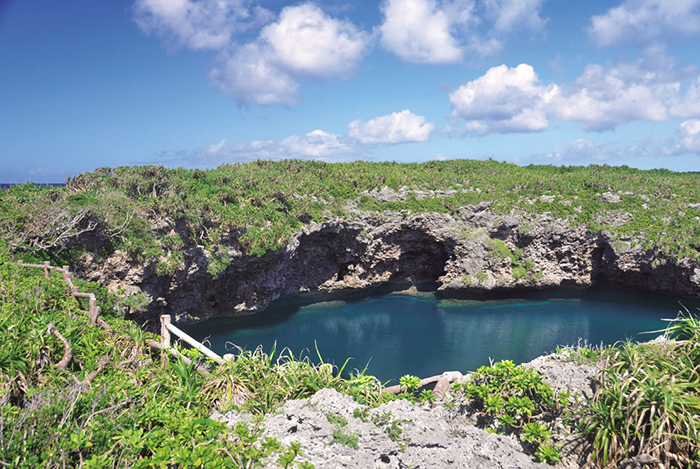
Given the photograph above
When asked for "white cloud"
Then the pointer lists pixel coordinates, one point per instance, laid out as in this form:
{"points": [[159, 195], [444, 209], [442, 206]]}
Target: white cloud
{"points": [[689, 104], [317, 145], [605, 97], [307, 41], [198, 24], [303, 42], [398, 127], [687, 139], [504, 100], [251, 75], [641, 21], [511, 15], [580, 149], [442, 31], [601, 98], [417, 31], [584, 151]]}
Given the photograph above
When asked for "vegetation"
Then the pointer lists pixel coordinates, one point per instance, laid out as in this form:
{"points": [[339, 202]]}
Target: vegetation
{"points": [[649, 401], [115, 402], [515, 400], [151, 212]]}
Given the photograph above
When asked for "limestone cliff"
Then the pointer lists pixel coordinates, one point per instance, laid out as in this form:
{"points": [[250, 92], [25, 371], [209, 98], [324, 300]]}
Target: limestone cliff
{"points": [[475, 252]]}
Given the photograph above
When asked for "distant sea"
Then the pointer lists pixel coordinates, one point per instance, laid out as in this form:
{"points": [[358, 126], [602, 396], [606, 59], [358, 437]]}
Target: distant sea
{"points": [[4, 185]]}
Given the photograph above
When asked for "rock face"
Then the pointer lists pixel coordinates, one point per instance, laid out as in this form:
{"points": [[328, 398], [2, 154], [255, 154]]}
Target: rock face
{"points": [[473, 253], [394, 435]]}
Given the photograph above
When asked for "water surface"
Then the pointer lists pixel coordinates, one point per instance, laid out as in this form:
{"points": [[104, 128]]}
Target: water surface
{"points": [[395, 334]]}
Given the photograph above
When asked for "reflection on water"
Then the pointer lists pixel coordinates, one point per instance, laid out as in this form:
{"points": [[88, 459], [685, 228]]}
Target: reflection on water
{"points": [[421, 335]]}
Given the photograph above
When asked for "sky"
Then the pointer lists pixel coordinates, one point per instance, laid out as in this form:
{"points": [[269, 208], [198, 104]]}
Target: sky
{"points": [[199, 83]]}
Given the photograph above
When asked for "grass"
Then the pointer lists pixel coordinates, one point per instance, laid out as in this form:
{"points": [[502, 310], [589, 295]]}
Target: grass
{"points": [[151, 212], [119, 403], [346, 439], [649, 402]]}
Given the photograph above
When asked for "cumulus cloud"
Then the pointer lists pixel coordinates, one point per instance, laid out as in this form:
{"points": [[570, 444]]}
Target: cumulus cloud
{"points": [[605, 97], [601, 98], [303, 42], [687, 138], [504, 100], [581, 149], [417, 31], [440, 32], [198, 24], [307, 41], [512, 15], [398, 127], [642, 21], [689, 105]]}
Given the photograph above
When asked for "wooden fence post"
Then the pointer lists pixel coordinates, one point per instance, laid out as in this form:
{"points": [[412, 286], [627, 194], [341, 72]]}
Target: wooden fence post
{"points": [[21, 262], [73, 291], [66, 274], [92, 311], [46, 269], [164, 332]]}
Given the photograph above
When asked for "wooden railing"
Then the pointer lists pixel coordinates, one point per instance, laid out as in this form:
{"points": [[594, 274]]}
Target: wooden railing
{"points": [[93, 310], [167, 327]]}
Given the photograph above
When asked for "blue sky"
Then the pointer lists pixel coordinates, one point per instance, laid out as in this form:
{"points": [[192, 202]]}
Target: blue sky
{"points": [[197, 83]]}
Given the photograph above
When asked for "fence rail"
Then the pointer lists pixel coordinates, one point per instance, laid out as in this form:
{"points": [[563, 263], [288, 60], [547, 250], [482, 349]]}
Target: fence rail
{"points": [[167, 327], [93, 310]]}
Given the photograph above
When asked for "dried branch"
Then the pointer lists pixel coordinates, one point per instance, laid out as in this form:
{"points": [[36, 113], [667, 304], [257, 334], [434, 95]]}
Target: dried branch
{"points": [[67, 349], [101, 364], [50, 228]]}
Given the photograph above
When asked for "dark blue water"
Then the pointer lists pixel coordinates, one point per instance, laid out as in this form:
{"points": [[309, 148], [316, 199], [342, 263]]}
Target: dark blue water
{"points": [[395, 334]]}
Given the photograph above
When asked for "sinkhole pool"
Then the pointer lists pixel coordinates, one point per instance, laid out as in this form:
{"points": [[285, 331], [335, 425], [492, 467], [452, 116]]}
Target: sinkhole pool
{"points": [[397, 334]]}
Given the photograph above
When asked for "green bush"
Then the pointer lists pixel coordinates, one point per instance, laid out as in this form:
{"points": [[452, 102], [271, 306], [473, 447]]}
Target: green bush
{"points": [[511, 399]]}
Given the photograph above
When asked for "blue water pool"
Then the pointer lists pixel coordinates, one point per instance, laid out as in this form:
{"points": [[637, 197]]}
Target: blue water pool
{"points": [[399, 334]]}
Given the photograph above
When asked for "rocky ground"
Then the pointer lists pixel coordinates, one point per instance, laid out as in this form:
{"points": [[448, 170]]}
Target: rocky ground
{"points": [[336, 432]]}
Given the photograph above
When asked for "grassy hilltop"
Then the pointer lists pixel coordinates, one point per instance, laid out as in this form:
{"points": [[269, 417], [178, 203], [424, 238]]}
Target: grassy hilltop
{"points": [[262, 204], [119, 403]]}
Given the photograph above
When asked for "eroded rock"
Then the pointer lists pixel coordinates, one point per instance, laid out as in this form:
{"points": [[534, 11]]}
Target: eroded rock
{"points": [[425, 438]]}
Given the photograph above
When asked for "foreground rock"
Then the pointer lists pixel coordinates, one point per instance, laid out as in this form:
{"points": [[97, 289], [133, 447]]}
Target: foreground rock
{"points": [[426, 439], [336, 432]]}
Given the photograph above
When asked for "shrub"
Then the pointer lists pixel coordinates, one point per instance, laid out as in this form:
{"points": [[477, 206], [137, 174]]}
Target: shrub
{"points": [[649, 400]]}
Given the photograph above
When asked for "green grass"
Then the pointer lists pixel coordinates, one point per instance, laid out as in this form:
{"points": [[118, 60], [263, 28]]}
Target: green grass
{"points": [[120, 403], [346, 439], [649, 403], [513, 399], [262, 204]]}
